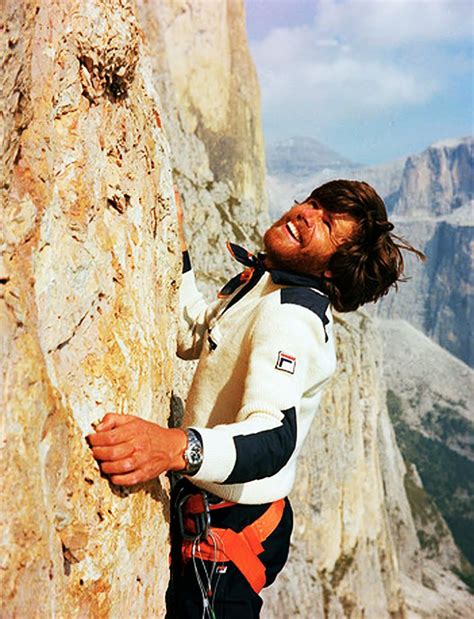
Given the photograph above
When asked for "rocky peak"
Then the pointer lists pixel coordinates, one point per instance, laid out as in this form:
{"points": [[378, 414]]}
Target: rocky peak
{"points": [[301, 157], [438, 180]]}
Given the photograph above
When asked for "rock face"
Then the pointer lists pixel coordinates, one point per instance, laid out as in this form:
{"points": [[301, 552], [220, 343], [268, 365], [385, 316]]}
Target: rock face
{"points": [[89, 271], [211, 101], [438, 180], [438, 297], [433, 209], [430, 403], [90, 267], [449, 303], [216, 88]]}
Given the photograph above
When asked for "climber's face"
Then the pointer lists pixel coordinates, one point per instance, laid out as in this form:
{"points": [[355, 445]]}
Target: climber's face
{"points": [[305, 238]]}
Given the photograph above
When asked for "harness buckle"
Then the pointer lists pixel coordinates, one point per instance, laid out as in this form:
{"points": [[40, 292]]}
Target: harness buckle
{"points": [[201, 520]]}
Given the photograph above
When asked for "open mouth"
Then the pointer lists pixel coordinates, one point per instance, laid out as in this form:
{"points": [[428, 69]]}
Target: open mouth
{"points": [[293, 231]]}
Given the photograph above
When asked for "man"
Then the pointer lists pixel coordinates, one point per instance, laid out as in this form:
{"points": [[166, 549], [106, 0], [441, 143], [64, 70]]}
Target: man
{"points": [[266, 350]]}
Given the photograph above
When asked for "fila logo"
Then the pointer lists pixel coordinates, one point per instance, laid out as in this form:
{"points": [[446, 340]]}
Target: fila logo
{"points": [[285, 362]]}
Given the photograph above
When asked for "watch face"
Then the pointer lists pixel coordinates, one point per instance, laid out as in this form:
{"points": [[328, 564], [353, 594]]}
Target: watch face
{"points": [[195, 457], [193, 454]]}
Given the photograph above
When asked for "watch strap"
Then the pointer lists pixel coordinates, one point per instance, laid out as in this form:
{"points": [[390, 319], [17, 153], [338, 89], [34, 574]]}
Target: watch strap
{"points": [[193, 454]]}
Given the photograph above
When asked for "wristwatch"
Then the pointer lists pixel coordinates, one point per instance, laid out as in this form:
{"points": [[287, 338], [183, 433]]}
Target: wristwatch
{"points": [[193, 453]]}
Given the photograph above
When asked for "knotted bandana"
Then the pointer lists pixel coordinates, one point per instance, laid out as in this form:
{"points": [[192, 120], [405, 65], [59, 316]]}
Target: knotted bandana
{"points": [[255, 269]]}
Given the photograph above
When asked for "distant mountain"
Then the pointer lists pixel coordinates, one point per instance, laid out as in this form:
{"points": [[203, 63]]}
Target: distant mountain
{"points": [[302, 156], [438, 296], [283, 189], [298, 165], [433, 209], [436, 181]]}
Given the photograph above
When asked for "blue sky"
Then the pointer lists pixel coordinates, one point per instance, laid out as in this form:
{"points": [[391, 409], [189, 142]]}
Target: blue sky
{"points": [[373, 79]]}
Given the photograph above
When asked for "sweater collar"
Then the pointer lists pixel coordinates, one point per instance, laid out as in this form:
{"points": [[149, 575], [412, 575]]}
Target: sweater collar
{"points": [[288, 278], [280, 277]]}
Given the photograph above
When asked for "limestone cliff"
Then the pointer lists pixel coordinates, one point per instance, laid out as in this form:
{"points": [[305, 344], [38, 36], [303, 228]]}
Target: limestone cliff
{"points": [[433, 209], [437, 298], [90, 266], [430, 403], [211, 101], [88, 276], [436, 181]]}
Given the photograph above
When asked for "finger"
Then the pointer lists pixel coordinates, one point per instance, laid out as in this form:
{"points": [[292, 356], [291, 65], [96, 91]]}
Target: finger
{"points": [[106, 423], [112, 420], [111, 454], [179, 209], [127, 479], [124, 433], [109, 438], [127, 465]]}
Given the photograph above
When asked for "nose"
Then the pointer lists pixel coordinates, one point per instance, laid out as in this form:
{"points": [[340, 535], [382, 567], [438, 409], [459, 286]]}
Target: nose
{"points": [[310, 213]]}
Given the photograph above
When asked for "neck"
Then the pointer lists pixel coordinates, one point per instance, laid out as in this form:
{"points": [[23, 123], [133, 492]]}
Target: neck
{"points": [[270, 265]]}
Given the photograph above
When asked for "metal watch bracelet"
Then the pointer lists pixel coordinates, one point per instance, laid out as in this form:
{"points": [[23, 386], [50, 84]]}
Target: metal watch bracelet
{"points": [[193, 454]]}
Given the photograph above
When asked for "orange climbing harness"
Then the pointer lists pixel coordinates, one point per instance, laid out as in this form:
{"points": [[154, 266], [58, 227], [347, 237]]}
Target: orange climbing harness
{"points": [[222, 545]]}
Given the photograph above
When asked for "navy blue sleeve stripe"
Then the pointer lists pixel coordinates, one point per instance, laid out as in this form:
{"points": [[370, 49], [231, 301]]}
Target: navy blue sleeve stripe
{"points": [[186, 262], [263, 454], [309, 299]]}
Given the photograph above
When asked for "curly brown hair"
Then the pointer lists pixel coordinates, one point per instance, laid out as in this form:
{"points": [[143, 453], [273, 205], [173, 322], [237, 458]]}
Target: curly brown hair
{"points": [[365, 267]]}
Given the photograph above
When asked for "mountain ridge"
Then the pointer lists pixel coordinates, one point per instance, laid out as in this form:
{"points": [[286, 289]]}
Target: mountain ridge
{"points": [[296, 156]]}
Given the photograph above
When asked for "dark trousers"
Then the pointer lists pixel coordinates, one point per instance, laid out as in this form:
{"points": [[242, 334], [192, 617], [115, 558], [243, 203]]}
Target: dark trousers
{"points": [[204, 589]]}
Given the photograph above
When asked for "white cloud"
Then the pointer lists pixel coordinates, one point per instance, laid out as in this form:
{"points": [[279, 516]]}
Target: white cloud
{"points": [[390, 23], [359, 58], [343, 88]]}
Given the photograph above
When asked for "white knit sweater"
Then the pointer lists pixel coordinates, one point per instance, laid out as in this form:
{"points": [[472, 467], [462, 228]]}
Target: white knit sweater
{"points": [[262, 366]]}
